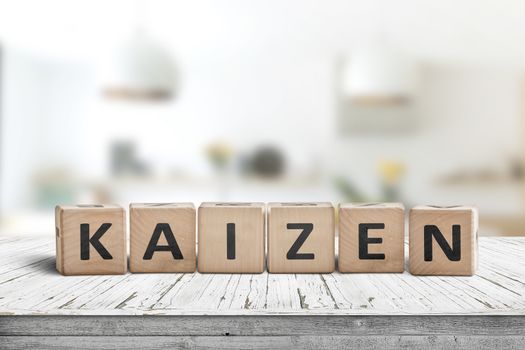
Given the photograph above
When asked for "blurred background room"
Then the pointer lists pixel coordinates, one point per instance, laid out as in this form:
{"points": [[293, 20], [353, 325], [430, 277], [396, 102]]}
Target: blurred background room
{"points": [[421, 102]]}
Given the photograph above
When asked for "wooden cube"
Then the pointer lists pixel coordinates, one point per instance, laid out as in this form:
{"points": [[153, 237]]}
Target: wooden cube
{"points": [[162, 237], [443, 240], [231, 237], [90, 239], [301, 238], [371, 237]]}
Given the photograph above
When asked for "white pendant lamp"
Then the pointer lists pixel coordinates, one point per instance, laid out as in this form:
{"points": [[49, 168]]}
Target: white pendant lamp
{"points": [[140, 69], [378, 74]]}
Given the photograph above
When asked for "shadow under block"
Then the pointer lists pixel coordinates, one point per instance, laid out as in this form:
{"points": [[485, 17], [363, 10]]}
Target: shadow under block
{"points": [[162, 237], [443, 240], [231, 237], [301, 238], [90, 240], [371, 237]]}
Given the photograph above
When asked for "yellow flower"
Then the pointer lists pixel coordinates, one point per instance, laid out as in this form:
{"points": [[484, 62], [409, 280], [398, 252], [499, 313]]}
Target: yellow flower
{"points": [[391, 171], [219, 153]]}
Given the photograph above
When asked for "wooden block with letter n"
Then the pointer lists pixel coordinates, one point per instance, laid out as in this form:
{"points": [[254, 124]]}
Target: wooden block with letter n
{"points": [[371, 237], [90, 239], [162, 237], [231, 237], [301, 238], [443, 240]]}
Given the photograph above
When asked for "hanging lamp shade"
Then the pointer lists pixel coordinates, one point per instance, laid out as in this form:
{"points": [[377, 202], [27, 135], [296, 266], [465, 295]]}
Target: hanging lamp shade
{"points": [[378, 75], [140, 69]]}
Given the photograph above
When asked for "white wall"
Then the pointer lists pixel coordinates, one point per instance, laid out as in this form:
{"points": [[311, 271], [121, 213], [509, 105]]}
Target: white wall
{"points": [[46, 105]]}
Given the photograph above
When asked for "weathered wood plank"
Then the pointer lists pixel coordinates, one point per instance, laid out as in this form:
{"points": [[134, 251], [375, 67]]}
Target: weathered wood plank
{"points": [[29, 285], [269, 342], [260, 325]]}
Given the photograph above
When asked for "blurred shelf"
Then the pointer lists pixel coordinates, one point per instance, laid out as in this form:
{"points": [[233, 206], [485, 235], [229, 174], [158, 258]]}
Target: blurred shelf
{"points": [[504, 225], [200, 189], [212, 181]]}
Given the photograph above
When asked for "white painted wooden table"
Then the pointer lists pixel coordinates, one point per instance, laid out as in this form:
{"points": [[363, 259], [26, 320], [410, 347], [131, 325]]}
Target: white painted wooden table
{"points": [[40, 308]]}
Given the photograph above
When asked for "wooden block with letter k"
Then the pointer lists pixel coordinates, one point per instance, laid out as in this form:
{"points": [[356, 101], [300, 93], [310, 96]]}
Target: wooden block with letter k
{"points": [[301, 238], [90, 239], [443, 240]]}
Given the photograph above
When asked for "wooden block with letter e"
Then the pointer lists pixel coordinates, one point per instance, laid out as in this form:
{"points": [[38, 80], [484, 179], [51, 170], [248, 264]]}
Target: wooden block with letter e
{"points": [[90, 239], [162, 237], [301, 238], [371, 237], [231, 237], [443, 240]]}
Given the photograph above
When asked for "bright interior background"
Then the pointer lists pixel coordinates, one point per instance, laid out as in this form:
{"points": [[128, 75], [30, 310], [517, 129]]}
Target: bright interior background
{"points": [[262, 74]]}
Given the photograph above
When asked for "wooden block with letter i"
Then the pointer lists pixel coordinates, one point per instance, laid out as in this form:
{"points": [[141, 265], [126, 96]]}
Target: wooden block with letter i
{"points": [[301, 238], [443, 240], [231, 237], [162, 237], [90, 239], [371, 237]]}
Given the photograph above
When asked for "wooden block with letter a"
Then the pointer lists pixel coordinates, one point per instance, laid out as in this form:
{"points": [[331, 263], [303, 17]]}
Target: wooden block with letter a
{"points": [[231, 237], [162, 237], [301, 238], [371, 237], [443, 240], [90, 239]]}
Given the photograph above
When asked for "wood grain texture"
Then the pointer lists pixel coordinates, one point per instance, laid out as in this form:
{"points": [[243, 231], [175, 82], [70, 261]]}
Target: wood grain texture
{"points": [[269, 342], [246, 222], [144, 218], [30, 285], [392, 235], [444, 218], [262, 325], [319, 243], [68, 232]]}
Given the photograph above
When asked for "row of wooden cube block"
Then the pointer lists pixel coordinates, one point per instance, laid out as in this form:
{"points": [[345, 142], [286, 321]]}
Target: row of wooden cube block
{"points": [[296, 237]]}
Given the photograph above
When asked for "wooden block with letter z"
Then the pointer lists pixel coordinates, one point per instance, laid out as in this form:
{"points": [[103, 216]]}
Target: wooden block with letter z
{"points": [[90, 239], [162, 237], [301, 238], [231, 237], [371, 237], [443, 240]]}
